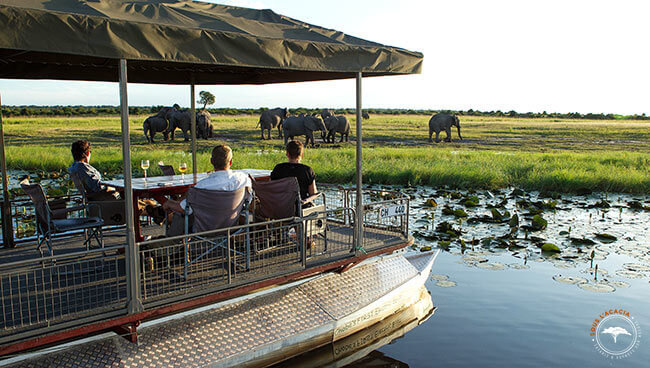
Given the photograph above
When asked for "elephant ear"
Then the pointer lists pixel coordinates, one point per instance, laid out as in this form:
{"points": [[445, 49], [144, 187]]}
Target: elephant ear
{"points": [[456, 121], [310, 123]]}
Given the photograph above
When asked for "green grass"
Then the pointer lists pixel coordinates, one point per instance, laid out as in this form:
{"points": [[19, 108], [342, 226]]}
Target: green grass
{"points": [[542, 154]]}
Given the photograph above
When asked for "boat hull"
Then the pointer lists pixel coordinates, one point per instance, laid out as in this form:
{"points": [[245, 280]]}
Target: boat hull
{"points": [[265, 327]]}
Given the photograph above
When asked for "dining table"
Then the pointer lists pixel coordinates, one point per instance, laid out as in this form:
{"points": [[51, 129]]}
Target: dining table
{"points": [[160, 188]]}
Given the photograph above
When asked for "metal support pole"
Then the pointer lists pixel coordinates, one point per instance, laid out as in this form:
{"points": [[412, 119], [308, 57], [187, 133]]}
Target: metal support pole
{"points": [[7, 225], [193, 124], [359, 218], [132, 254]]}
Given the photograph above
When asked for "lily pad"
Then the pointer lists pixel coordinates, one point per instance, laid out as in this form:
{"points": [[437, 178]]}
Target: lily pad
{"points": [[630, 274], [606, 238], [598, 287], [514, 221], [582, 241], [570, 279], [459, 213], [619, 284], [550, 248], [496, 266], [518, 266], [636, 267], [446, 283], [430, 203], [539, 223], [439, 277]]}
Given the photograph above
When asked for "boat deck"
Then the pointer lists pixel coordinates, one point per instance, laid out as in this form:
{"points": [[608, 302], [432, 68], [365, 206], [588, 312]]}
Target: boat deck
{"points": [[317, 311], [35, 292], [78, 291]]}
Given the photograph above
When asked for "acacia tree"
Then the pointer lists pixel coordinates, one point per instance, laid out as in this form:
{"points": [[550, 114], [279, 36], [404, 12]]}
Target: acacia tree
{"points": [[207, 98]]}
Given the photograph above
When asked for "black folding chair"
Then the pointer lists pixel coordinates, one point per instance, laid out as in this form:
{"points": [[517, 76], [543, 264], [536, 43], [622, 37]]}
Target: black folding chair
{"points": [[47, 226]]}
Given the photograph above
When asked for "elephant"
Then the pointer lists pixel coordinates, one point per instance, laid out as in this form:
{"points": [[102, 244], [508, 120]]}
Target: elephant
{"points": [[182, 119], [269, 119], [157, 123], [294, 126], [365, 115], [204, 128], [440, 122], [325, 113], [336, 124]]}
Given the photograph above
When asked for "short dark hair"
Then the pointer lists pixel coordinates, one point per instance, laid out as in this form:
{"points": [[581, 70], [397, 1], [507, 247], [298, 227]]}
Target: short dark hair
{"points": [[221, 156], [295, 149], [80, 149]]}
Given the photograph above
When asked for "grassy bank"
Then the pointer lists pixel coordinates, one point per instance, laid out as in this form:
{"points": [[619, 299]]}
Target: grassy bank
{"points": [[540, 154]]}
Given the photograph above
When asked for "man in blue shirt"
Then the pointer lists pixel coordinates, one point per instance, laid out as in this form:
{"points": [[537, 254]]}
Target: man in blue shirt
{"points": [[95, 190]]}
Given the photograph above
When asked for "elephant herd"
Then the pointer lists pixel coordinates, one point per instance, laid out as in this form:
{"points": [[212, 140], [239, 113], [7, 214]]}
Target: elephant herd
{"points": [[168, 119]]}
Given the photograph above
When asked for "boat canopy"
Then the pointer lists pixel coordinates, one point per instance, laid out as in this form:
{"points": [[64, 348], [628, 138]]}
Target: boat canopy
{"points": [[173, 41]]}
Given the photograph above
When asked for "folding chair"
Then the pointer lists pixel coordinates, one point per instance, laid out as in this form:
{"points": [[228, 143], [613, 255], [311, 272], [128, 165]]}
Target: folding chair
{"points": [[212, 210], [47, 226], [167, 170], [111, 211], [280, 199]]}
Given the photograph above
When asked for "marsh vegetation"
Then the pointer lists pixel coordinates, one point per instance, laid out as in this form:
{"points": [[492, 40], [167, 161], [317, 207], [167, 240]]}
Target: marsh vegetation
{"points": [[559, 155]]}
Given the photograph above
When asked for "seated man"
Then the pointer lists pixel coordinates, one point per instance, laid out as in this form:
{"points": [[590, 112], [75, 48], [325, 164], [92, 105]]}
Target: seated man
{"points": [[305, 174], [91, 180], [222, 179]]}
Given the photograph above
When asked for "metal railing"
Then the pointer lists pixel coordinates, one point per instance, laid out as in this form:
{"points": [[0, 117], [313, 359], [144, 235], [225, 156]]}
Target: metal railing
{"points": [[43, 295], [60, 291], [186, 266]]}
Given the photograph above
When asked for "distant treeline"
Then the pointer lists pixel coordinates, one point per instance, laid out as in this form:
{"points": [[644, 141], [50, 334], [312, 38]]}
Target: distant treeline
{"points": [[9, 111]]}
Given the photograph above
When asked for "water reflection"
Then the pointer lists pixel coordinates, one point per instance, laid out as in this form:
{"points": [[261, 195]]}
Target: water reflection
{"points": [[359, 349]]}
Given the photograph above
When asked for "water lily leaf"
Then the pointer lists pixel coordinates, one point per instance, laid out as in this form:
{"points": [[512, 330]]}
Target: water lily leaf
{"points": [[496, 215], [599, 287], [606, 238], [539, 223], [582, 241], [460, 213], [514, 221], [550, 248], [431, 203]]}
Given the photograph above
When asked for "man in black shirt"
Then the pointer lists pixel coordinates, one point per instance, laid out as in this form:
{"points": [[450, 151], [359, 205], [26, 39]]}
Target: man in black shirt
{"points": [[305, 175]]}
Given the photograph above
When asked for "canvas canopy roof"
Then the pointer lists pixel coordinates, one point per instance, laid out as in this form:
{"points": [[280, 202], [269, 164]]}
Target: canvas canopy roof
{"points": [[169, 41]]}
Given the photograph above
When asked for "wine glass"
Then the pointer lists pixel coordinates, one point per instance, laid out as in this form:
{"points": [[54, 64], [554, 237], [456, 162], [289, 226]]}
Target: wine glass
{"points": [[182, 167], [144, 164]]}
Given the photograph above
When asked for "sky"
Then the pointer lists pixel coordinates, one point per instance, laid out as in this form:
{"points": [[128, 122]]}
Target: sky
{"points": [[523, 55]]}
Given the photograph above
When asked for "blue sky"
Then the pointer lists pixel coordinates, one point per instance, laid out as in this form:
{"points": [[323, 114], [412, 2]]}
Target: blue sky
{"points": [[560, 56]]}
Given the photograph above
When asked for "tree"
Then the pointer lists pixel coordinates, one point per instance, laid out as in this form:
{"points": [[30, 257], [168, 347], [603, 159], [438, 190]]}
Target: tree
{"points": [[207, 98]]}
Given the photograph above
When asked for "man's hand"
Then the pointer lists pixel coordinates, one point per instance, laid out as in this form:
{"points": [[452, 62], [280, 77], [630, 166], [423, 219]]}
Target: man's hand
{"points": [[173, 206]]}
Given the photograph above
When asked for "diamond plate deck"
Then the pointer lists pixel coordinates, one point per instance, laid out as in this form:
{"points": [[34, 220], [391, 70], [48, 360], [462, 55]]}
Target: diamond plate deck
{"points": [[242, 330], [419, 261], [363, 285]]}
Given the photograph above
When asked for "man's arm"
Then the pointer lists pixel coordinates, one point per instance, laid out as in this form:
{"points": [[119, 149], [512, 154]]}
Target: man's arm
{"points": [[173, 206]]}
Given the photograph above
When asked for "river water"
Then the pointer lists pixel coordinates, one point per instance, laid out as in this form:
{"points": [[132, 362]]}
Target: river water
{"points": [[504, 302]]}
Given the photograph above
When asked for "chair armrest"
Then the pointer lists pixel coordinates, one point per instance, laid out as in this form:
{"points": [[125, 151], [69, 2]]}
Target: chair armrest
{"points": [[99, 208], [62, 211], [311, 198]]}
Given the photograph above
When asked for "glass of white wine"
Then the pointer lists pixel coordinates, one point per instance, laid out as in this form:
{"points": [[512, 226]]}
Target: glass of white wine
{"points": [[144, 164], [182, 167]]}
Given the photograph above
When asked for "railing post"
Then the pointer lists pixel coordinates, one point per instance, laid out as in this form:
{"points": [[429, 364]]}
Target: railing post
{"points": [[132, 254], [193, 127], [359, 214], [7, 224]]}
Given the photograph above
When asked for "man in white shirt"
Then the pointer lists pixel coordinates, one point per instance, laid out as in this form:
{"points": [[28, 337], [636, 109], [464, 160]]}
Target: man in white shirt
{"points": [[222, 179]]}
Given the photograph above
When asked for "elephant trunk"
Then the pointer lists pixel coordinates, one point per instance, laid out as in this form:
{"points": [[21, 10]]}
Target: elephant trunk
{"points": [[459, 136]]}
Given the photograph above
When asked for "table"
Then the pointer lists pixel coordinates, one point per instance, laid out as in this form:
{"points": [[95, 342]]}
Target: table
{"points": [[158, 187]]}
